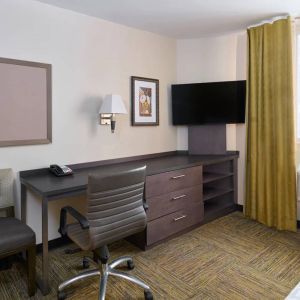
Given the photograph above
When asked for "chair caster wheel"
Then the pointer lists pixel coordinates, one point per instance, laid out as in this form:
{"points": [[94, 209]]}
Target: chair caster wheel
{"points": [[130, 265], [61, 295], [148, 295], [85, 263]]}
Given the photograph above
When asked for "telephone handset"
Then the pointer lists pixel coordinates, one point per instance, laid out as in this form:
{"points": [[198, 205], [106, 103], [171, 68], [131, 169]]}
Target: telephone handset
{"points": [[60, 170]]}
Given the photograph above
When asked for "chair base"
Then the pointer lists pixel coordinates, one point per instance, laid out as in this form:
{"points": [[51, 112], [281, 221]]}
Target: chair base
{"points": [[103, 272]]}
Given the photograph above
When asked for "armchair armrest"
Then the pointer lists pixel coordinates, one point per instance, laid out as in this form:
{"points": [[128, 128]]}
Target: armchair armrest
{"points": [[84, 223]]}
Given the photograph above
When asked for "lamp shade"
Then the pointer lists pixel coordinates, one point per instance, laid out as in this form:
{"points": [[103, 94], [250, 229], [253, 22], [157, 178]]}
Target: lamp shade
{"points": [[113, 104]]}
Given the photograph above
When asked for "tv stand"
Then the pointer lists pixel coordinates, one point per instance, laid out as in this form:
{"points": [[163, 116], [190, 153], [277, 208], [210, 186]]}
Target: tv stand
{"points": [[207, 139], [219, 179]]}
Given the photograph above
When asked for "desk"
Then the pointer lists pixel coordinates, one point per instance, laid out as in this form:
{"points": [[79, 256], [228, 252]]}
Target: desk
{"points": [[48, 187]]}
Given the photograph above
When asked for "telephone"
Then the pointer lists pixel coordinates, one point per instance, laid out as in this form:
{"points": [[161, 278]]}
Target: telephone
{"points": [[60, 170]]}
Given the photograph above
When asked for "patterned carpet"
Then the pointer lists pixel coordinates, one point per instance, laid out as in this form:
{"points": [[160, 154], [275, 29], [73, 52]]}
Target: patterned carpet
{"points": [[230, 258]]}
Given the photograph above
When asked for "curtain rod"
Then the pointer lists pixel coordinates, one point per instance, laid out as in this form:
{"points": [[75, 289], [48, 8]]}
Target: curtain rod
{"points": [[268, 21], [294, 19]]}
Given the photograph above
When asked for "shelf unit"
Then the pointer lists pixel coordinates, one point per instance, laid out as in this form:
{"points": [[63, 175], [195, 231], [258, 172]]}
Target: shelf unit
{"points": [[212, 193], [210, 176], [219, 188]]}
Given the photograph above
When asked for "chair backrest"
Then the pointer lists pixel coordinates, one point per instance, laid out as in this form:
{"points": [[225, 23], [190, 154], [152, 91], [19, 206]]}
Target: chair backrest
{"points": [[6, 191], [115, 206]]}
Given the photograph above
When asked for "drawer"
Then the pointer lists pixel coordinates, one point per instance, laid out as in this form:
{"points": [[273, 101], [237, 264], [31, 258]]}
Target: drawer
{"points": [[171, 181], [163, 227], [174, 201]]}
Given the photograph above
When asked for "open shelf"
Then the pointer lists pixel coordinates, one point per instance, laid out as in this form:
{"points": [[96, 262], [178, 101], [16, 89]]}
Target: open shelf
{"points": [[209, 193], [213, 176], [215, 209]]}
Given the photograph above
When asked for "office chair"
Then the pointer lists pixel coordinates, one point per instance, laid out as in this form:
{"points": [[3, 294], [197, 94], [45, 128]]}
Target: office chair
{"points": [[114, 211]]}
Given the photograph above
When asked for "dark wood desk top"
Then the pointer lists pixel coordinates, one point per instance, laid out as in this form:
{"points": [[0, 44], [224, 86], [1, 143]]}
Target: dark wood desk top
{"points": [[45, 184]]}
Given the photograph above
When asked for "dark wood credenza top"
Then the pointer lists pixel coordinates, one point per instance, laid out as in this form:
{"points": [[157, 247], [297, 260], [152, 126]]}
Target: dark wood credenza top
{"points": [[44, 183]]}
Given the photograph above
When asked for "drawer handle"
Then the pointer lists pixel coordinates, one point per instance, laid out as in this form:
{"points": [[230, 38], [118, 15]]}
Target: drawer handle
{"points": [[179, 218], [178, 177], [178, 197]]}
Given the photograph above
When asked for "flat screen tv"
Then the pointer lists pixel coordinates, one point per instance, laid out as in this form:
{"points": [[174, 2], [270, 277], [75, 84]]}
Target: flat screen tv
{"points": [[209, 103]]}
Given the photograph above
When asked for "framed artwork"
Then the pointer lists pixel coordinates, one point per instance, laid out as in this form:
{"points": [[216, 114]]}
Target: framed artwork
{"points": [[145, 101], [25, 103]]}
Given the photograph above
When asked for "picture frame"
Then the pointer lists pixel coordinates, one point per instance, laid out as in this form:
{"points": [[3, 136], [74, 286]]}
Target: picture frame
{"points": [[144, 101], [26, 103]]}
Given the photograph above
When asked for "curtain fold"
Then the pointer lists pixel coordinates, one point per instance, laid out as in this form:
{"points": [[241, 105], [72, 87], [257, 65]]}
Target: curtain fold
{"points": [[270, 161]]}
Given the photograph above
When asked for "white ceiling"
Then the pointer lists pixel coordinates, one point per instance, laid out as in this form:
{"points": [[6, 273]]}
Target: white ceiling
{"points": [[183, 18]]}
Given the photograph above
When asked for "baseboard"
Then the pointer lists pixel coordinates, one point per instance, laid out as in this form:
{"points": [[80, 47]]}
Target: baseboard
{"points": [[240, 208], [5, 263], [61, 241], [182, 152]]}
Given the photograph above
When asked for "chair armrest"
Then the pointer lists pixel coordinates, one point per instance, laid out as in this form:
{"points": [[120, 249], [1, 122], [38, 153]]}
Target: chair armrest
{"points": [[84, 223], [145, 205]]}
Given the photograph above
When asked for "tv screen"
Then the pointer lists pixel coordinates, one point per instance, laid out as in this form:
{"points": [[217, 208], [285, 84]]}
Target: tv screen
{"points": [[213, 102]]}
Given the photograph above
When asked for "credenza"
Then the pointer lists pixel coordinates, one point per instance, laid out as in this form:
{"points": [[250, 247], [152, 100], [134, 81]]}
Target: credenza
{"points": [[183, 199], [175, 202]]}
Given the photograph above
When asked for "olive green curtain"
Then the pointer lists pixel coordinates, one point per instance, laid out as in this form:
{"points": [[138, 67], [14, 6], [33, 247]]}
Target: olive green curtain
{"points": [[270, 162]]}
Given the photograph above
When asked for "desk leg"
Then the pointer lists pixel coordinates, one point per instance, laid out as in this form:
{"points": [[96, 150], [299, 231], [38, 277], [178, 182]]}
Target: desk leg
{"points": [[23, 203], [44, 282]]}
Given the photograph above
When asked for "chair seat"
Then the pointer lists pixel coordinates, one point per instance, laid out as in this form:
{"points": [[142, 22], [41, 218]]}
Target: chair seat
{"points": [[79, 236], [14, 235]]}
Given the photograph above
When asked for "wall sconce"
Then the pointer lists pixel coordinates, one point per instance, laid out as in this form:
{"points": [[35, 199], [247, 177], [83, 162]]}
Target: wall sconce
{"points": [[111, 105]]}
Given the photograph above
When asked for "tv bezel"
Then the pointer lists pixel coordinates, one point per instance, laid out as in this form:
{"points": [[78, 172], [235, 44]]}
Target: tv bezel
{"points": [[207, 123]]}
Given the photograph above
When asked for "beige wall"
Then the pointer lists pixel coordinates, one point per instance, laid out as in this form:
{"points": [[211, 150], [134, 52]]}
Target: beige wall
{"points": [[205, 60], [215, 59], [90, 58]]}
